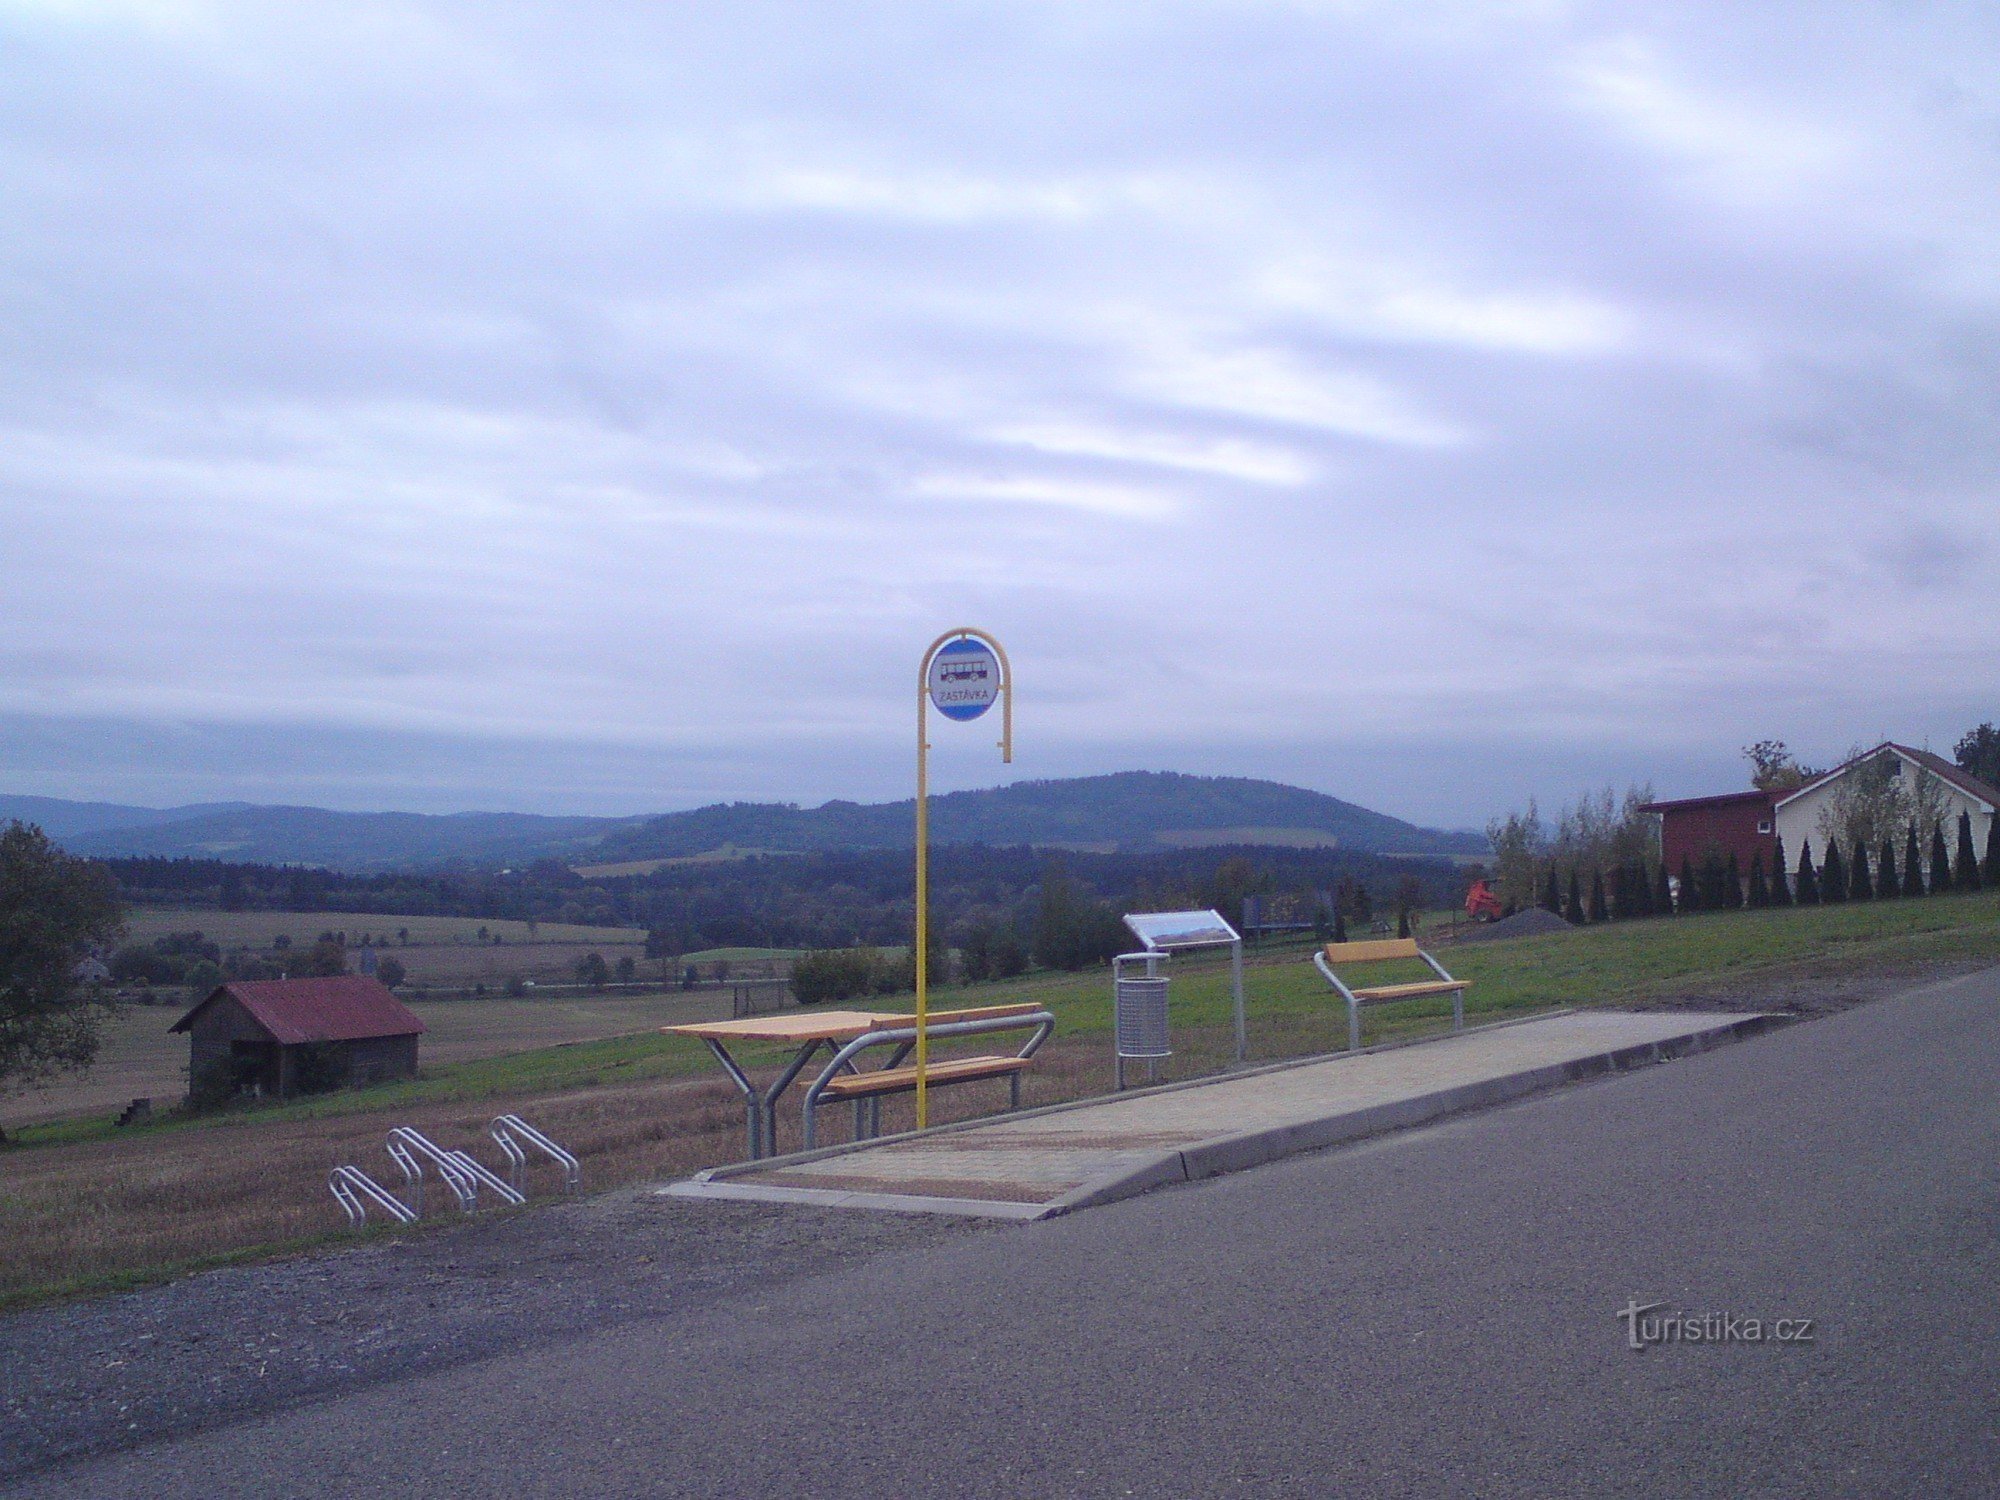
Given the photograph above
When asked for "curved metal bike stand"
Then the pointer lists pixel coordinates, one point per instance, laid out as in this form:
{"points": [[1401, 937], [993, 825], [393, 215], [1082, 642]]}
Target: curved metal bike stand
{"points": [[510, 1131], [905, 1038], [353, 1189]]}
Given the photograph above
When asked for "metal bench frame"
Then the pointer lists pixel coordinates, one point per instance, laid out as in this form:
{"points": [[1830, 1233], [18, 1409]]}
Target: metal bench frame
{"points": [[868, 1108], [1355, 999]]}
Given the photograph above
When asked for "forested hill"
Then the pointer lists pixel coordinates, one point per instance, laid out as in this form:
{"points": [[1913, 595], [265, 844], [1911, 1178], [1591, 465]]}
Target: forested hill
{"points": [[1128, 810], [1134, 811]]}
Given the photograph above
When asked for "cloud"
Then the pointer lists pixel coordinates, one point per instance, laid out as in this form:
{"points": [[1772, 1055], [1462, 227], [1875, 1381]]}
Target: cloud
{"points": [[1299, 388]]}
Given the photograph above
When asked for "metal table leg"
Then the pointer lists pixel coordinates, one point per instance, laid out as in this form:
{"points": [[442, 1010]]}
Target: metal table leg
{"points": [[752, 1100]]}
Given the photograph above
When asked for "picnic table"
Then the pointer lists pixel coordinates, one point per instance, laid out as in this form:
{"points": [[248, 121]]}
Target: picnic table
{"points": [[807, 1031], [847, 1033]]}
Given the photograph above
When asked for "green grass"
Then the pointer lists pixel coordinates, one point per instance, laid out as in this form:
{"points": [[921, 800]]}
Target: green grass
{"points": [[738, 955], [1612, 965]]}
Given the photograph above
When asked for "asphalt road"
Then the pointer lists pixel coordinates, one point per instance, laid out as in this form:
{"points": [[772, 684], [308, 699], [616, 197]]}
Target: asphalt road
{"points": [[1429, 1314]]}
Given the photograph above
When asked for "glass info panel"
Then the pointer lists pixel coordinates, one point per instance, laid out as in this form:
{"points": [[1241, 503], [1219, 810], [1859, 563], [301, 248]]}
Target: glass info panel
{"points": [[1162, 930]]}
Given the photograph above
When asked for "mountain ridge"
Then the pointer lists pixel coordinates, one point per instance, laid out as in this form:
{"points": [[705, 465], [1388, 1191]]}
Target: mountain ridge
{"points": [[1125, 809]]}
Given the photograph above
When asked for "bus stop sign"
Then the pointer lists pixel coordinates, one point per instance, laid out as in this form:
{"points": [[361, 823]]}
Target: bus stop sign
{"points": [[964, 678]]}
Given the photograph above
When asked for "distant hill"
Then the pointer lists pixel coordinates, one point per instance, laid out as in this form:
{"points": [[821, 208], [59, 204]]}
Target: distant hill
{"points": [[1130, 810], [349, 841], [60, 819]]}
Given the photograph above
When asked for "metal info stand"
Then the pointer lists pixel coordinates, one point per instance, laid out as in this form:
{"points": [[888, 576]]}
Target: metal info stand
{"points": [[1163, 934]]}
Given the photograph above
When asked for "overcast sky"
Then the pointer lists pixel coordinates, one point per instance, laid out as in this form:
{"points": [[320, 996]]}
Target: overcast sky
{"points": [[597, 408]]}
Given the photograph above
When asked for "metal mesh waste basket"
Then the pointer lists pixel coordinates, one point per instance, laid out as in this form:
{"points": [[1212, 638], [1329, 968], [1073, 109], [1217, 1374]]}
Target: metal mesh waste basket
{"points": [[1139, 1008]]}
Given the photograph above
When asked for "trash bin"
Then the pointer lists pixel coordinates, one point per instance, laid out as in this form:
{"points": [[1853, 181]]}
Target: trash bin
{"points": [[1139, 1010]]}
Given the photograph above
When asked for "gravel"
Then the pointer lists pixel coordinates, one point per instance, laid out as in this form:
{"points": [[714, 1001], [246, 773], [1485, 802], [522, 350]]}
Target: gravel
{"points": [[91, 1376]]}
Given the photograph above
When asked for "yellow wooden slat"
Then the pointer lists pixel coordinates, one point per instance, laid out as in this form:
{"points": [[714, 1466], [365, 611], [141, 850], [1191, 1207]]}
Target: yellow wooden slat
{"points": [[899, 1080], [1411, 991], [1377, 950]]}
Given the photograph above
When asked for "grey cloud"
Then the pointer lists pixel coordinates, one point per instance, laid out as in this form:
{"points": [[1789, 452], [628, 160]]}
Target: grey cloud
{"points": [[1308, 387]]}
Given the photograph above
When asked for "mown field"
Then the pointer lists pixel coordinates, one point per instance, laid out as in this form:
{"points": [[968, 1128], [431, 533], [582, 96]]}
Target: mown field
{"points": [[84, 1207], [258, 929], [141, 1059]]}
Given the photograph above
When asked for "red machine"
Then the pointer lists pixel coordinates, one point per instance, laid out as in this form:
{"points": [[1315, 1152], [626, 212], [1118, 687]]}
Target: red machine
{"points": [[1481, 904]]}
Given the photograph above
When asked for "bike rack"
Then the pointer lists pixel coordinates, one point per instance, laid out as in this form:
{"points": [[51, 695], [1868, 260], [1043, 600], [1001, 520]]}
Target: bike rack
{"points": [[353, 1189], [460, 1171], [410, 1148], [508, 1131], [482, 1176]]}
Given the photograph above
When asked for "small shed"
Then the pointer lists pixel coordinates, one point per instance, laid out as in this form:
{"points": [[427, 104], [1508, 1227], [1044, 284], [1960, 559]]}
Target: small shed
{"points": [[280, 1037], [1696, 829]]}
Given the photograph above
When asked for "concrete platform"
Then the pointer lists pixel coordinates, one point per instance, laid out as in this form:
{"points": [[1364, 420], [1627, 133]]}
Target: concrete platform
{"points": [[1050, 1161]]}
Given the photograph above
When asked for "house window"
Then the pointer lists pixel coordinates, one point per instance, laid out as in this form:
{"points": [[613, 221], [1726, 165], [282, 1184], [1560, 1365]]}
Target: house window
{"points": [[1763, 825]]}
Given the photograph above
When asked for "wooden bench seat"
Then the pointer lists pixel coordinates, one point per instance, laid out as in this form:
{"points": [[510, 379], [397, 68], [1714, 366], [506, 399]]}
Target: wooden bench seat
{"points": [[1387, 950], [1412, 991], [904, 1080], [843, 1080]]}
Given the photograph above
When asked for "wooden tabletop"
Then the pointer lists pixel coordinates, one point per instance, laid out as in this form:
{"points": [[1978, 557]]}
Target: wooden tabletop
{"points": [[833, 1025], [792, 1026]]}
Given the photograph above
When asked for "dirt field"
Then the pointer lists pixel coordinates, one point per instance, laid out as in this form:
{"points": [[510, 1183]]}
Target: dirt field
{"points": [[256, 929], [141, 1059]]}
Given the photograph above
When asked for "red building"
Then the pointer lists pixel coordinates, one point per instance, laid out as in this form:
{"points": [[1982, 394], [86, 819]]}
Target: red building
{"points": [[1740, 823]]}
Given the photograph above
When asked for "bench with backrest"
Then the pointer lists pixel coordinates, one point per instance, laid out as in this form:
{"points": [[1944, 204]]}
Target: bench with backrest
{"points": [[1336, 956], [842, 1080]]}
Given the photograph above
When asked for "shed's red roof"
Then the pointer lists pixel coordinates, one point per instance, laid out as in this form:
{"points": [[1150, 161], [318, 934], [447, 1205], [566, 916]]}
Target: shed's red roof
{"points": [[343, 1009], [1716, 801]]}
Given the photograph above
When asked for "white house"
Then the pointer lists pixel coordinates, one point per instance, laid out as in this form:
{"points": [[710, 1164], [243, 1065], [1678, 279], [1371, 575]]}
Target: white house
{"points": [[1800, 816]]}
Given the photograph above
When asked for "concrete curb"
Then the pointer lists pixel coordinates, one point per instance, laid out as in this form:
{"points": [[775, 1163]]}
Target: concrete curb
{"points": [[1253, 1148], [1229, 1153]]}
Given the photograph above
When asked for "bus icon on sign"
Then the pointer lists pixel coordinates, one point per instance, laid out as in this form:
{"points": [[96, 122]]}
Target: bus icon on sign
{"points": [[964, 679]]}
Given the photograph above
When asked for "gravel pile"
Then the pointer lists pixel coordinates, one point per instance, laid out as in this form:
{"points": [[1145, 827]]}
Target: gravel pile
{"points": [[1522, 924]]}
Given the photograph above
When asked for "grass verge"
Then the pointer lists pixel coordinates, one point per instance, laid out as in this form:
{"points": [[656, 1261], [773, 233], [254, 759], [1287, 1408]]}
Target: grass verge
{"points": [[84, 1207]]}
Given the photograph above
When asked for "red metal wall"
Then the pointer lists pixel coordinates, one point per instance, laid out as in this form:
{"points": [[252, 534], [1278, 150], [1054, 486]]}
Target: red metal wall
{"points": [[1723, 828]]}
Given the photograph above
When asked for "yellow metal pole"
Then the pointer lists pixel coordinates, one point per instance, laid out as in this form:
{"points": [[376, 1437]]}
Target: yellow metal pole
{"points": [[924, 885], [923, 944]]}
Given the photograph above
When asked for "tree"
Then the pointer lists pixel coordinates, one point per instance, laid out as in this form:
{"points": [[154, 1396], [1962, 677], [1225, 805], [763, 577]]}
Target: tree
{"points": [[325, 959], [391, 973], [1663, 891], [1773, 768], [54, 910], [1875, 796], [592, 970], [1732, 884], [627, 968], [1913, 864], [1965, 874], [1806, 883], [1859, 886], [1991, 869], [1339, 925], [1781, 894], [1600, 910], [202, 976], [1519, 845], [1978, 754], [1552, 893], [1573, 907], [1833, 877], [1760, 893], [1690, 895], [1940, 862], [1888, 885]]}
